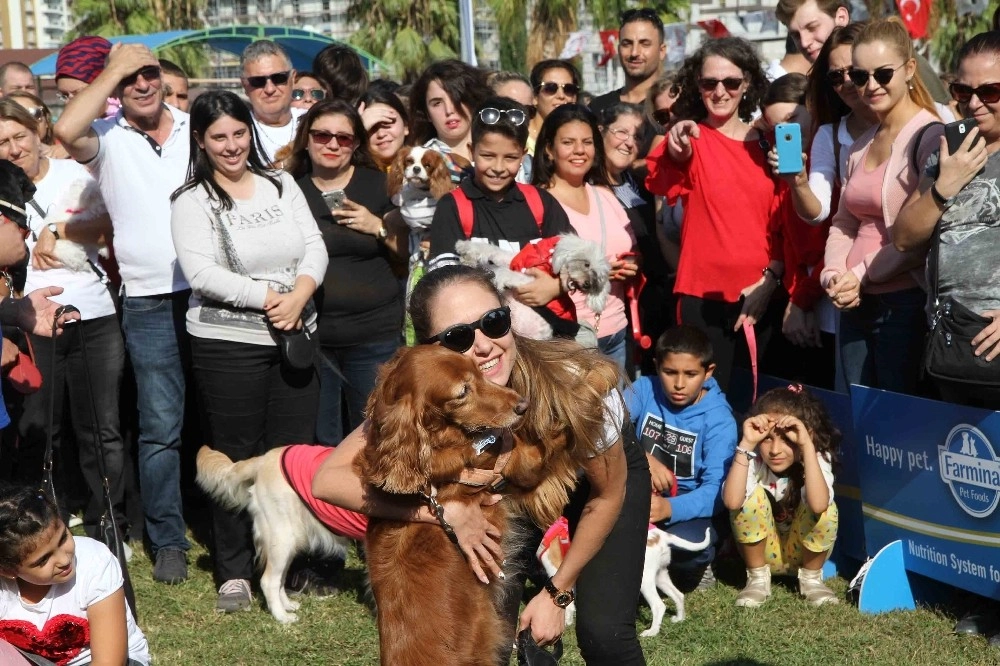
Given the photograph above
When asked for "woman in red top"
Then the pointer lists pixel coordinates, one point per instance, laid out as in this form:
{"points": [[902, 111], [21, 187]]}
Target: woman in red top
{"points": [[714, 162]]}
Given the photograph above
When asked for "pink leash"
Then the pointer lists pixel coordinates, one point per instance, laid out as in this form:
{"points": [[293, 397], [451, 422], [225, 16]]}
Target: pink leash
{"points": [[751, 337]]}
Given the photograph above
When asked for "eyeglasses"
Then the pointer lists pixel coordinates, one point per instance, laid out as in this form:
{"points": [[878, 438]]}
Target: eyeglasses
{"points": [[882, 75], [494, 324], [148, 73], [623, 134], [551, 88], [322, 137], [278, 79], [730, 83], [663, 117], [988, 93], [837, 77], [491, 116], [298, 94]]}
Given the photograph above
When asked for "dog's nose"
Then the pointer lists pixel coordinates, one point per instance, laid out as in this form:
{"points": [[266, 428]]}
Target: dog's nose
{"points": [[521, 407], [416, 169]]}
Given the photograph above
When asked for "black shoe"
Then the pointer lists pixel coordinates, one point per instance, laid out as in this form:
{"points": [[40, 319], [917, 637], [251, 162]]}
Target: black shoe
{"points": [[982, 624], [308, 581], [171, 566]]}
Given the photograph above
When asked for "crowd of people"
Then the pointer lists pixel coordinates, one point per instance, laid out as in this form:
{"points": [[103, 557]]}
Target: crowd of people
{"points": [[219, 236]]}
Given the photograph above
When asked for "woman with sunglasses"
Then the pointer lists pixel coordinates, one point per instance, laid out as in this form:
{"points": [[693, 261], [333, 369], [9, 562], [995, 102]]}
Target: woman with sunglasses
{"points": [[441, 104], [388, 125], [554, 82], [360, 301], [457, 307], [251, 251], [61, 186], [43, 116], [877, 288], [716, 164], [307, 90]]}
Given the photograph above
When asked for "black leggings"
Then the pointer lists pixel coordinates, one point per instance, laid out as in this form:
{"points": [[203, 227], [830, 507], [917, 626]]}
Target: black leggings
{"points": [[607, 591]]}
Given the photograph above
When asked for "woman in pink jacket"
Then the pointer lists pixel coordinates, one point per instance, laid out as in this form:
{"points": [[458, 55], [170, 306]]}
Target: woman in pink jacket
{"points": [[878, 288]]}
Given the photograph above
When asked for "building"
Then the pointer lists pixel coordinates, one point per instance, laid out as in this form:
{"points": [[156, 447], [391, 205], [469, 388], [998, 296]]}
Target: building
{"points": [[34, 24], [328, 17]]}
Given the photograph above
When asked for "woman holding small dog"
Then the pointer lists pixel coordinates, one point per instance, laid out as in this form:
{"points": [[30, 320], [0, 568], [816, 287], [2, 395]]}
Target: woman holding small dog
{"points": [[458, 308], [68, 206]]}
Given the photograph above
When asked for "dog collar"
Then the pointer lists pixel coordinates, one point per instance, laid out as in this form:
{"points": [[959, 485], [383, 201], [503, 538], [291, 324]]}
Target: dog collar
{"points": [[16, 209], [489, 477]]}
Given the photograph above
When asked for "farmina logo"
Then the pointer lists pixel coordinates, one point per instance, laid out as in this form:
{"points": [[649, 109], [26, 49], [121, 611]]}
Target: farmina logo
{"points": [[970, 468]]}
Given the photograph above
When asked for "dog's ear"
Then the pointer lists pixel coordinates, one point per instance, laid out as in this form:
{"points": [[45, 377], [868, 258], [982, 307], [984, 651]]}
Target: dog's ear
{"points": [[438, 174], [394, 180]]}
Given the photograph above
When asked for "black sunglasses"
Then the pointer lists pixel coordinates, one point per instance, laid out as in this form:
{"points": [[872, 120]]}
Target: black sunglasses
{"points": [[662, 116], [988, 93], [323, 137], [460, 337], [149, 73], [730, 83], [278, 79], [882, 75], [837, 77], [318, 94], [491, 115], [551, 88]]}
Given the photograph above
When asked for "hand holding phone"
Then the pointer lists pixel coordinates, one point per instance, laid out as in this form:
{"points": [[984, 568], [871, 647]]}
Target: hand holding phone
{"points": [[334, 199], [788, 144], [955, 133]]}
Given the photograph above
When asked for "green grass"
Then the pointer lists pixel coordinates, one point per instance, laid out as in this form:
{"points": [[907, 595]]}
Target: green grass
{"points": [[183, 628]]}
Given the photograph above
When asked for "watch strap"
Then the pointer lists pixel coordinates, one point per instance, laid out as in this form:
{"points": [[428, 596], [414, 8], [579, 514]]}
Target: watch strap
{"points": [[940, 198], [54, 228]]}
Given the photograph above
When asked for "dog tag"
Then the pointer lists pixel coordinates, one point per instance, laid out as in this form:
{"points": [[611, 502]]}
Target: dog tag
{"points": [[485, 443]]}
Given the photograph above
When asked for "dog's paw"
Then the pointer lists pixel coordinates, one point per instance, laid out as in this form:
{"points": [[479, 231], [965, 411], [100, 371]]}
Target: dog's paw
{"points": [[287, 618], [290, 605], [677, 618], [650, 632]]}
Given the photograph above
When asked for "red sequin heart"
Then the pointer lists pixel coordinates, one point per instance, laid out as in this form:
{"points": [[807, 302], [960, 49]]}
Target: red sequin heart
{"points": [[61, 639]]}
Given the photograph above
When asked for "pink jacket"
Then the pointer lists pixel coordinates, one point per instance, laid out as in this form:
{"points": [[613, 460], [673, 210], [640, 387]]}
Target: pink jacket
{"points": [[883, 263]]}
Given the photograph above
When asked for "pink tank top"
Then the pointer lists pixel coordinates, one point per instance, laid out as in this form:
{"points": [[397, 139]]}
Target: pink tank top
{"points": [[299, 464]]}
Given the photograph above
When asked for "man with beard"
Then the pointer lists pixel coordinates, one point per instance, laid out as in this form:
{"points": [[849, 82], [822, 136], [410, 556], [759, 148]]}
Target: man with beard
{"points": [[641, 50]]}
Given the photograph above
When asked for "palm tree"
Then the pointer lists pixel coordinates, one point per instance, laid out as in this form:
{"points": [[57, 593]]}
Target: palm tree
{"points": [[551, 23], [512, 24], [947, 37]]}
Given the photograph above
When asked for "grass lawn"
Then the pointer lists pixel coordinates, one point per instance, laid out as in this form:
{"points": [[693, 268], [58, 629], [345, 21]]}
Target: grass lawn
{"points": [[183, 628]]}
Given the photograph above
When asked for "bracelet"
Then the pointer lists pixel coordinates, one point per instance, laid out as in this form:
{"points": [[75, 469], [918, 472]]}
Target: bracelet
{"points": [[768, 269], [751, 455], [746, 464], [438, 511], [939, 198]]}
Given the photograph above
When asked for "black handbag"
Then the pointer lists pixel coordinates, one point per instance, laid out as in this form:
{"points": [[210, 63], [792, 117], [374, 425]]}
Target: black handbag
{"points": [[298, 347], [530, 654]]}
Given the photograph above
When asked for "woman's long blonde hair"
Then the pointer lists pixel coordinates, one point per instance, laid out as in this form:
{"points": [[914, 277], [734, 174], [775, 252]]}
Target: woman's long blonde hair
{"points": [[891, 32]]}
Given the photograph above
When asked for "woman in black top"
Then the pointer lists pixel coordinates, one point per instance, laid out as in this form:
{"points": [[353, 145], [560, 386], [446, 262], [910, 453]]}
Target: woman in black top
{"points": [[360, 302]]}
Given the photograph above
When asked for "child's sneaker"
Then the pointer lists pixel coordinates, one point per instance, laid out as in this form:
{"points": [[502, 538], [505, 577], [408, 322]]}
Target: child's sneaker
{"points": [[758, 588], [813, 590]]}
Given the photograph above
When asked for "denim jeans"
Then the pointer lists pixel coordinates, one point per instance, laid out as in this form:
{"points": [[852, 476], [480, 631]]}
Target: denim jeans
{"points": [[882, 340], [105, 363], [252, 405], [358, 364], [613, 346], [158, 347]]}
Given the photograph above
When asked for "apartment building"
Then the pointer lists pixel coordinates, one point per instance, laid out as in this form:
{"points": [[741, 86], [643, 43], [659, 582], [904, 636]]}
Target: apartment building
{"points": [[34, 24]]}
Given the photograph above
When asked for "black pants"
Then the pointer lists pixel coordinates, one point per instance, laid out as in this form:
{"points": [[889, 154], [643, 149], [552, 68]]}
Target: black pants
{"points": [[105, 363], [252, 405], [607, 591]]}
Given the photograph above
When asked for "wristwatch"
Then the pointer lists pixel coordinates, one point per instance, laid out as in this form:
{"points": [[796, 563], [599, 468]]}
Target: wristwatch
{"points": [[942, 201], [768, 270], [54, 228], [561, 598], [382, 234]]}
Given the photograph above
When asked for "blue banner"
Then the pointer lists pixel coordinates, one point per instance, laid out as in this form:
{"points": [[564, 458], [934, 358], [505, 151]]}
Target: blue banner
{"points": [[930, 476]]}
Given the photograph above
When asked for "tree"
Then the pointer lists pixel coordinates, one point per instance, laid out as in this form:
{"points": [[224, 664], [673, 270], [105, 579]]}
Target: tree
{"points": [[407, 35], [512, 25], [951, 31]]}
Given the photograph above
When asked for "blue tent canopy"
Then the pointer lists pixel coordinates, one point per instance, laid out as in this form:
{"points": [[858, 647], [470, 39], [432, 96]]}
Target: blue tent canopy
{"points": [[301, 45]]}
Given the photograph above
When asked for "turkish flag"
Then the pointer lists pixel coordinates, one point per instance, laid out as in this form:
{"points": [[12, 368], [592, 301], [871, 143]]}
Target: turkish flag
{"points": [[609, 45], [715, 28], [916, 14]]}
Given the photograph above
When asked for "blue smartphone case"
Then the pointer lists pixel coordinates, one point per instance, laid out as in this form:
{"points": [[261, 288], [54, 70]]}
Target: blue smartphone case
{"points": [[788, 143]]}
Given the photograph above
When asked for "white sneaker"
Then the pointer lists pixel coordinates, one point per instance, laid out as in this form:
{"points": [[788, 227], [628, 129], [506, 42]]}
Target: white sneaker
{"points": [[74, 521]]}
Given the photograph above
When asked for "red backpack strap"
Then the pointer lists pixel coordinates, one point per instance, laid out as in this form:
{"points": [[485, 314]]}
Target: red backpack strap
{"points": [[464, 206], [534, 201]]}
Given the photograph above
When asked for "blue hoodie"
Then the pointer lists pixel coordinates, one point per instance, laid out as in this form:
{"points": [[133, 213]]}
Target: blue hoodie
{"points": [[696, 442]]}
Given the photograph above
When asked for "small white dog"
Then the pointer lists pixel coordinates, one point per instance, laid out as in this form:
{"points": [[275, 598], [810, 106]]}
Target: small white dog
{"points": [[578, 263], [80, 202], [655, 573]]}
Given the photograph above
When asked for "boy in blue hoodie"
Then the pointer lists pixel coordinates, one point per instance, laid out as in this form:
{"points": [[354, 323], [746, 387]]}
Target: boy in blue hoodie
{"points": [[687, 427]]}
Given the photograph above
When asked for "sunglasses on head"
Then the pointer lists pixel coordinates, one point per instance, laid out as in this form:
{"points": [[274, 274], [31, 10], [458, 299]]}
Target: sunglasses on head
{"points": [[491, 116], [837, 77], [322, 137], [730, 83], [551, 88], [278, 79], [318, 94], [988, 93], [882, 75], [149, 73], [494, 324], [37, 113]]}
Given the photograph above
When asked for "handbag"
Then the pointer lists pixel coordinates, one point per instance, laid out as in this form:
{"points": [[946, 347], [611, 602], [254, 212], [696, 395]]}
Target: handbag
{"points": [[24, 376], [949, 354], [530, 654]]}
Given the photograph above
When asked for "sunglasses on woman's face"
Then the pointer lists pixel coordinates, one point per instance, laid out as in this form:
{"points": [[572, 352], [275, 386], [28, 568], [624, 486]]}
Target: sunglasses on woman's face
{"points": [[882, 75], [278, 79], [323, 137], [460, 337], [492, 116], [838, 77], [730, 83], [551, 88], [318, 94], [988, 93], [662, 116]]}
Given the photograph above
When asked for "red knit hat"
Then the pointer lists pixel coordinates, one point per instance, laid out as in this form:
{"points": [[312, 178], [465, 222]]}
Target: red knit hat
{"points": [[83, 58]]}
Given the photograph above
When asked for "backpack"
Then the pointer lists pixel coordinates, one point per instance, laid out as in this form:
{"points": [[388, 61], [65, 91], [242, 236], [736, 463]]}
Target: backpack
{"points": [[465, 214]]}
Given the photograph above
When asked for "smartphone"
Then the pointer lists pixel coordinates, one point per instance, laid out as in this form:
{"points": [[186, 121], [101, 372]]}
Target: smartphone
{"points": [[956, 132], [788, 143], [334, 199]]}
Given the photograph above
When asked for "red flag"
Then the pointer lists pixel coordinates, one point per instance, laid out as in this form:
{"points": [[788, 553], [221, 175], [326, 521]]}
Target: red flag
{"points": [[916, 14], [609, 42], [714, 27]]}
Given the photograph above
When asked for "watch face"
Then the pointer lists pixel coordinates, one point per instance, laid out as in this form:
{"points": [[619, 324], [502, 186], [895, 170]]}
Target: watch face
{"points": [[563, 599]]}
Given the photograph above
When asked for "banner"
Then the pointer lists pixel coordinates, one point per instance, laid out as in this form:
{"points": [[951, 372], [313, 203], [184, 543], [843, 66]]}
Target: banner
{"points": [[609, 46], [930, 476], [675, 37], [576, 42], [916, 14]]}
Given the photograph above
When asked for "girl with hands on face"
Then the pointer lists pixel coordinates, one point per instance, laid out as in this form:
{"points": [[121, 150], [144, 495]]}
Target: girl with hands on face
{"points": [[779, 492]]}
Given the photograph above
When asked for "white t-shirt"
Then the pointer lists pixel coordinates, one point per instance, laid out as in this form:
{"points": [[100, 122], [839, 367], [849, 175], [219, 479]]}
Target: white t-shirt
{"points": [[614, 418], [761, 475], [136, 182], [273, 139], [98, 576], [68, 186]]}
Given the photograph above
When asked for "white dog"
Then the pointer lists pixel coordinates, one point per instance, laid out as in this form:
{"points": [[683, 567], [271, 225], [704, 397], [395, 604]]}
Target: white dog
{"points": [[275, 489], [80, 202], [655, 573], [578, 263]]}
